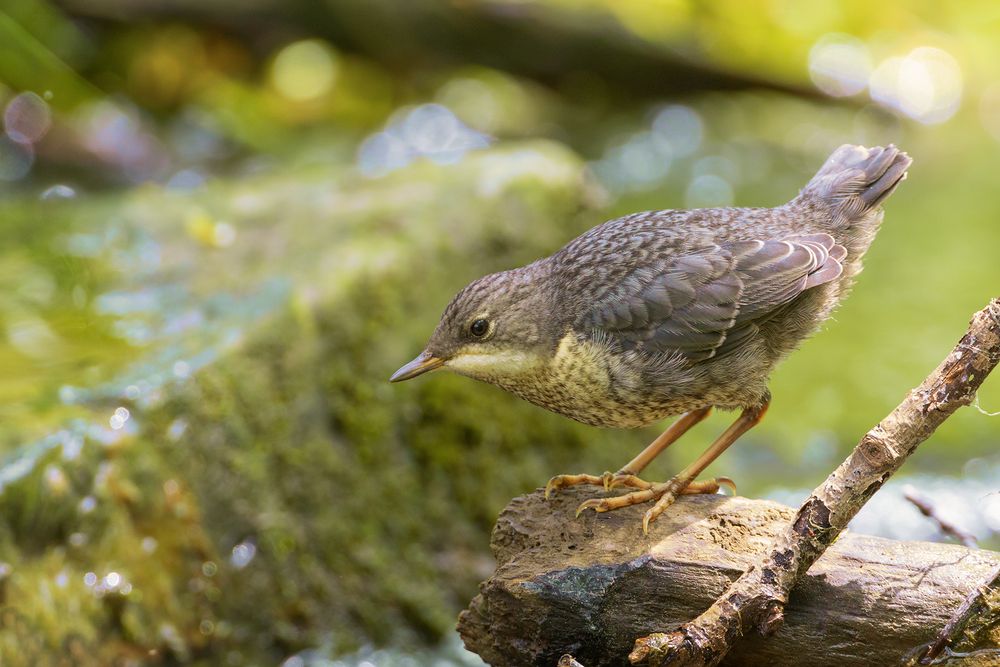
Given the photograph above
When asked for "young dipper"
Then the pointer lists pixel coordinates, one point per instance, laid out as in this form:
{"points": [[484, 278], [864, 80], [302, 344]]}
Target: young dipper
{"points": [[669, 312]]}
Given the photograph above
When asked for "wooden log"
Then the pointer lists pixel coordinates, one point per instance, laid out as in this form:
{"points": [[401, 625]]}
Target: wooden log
{"points": [[590, 585], [756, 601]]}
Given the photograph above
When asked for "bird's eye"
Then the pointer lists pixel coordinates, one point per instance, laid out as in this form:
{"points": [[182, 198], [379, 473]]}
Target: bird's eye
{"points": [[479, 328]]}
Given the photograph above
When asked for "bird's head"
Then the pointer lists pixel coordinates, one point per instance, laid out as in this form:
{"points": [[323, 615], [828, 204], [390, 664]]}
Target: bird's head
{"points": [[497, 329]]}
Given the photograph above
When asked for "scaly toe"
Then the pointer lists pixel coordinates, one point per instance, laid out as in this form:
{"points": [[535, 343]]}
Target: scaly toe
{"points": [[562, 481], [630, 480]]}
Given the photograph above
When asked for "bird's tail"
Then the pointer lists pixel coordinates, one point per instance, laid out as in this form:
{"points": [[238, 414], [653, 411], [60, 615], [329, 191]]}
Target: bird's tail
{"points": [[856, 180]]}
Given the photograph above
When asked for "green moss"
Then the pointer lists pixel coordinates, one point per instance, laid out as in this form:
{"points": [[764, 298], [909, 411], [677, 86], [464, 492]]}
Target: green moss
{"points": [[368, 505]]}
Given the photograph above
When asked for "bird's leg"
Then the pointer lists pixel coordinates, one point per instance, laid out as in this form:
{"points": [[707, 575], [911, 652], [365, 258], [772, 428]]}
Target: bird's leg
{"points": [[627, 475], [666, 493], [667, 438]]}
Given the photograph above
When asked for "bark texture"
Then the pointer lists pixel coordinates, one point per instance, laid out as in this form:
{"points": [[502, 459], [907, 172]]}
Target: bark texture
{"points": [[869, 602], [972, 618], [756, 601], [589, 586]]}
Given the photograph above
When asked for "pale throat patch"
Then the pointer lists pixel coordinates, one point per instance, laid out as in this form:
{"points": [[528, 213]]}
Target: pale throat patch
{"points": [[495, 362]]}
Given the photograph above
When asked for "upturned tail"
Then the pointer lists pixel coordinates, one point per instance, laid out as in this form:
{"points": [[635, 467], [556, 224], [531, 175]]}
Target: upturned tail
{"points": [[856, 180]]}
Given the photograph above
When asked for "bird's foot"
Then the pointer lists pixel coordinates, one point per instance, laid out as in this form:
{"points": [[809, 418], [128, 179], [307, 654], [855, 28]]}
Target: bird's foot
{"points": [[664, 494], [608, 480]]}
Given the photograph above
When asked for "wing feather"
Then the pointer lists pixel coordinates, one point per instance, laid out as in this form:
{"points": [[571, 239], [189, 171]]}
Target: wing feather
{"points": [[712, 301]]}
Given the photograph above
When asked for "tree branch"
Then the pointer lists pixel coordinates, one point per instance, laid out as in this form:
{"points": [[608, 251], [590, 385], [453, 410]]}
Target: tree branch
{"points": [[926, 507], [980, 603], [756, 601], [541, 41]]}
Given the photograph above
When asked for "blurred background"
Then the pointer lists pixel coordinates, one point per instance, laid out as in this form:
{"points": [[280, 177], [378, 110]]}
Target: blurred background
{"points": [[224, 224]]}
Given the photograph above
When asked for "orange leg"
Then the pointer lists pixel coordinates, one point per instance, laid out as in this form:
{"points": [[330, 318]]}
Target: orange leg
{"points": [[627, 475], [666, 493]]}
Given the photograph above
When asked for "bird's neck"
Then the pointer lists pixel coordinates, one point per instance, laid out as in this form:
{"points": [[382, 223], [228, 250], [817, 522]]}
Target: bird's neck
{"points": [[546, 305]]}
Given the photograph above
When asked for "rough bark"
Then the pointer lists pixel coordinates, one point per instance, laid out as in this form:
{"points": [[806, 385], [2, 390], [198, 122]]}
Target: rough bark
{"points": [[972, 618], [755, 602], [589, 586], [614, 599]]}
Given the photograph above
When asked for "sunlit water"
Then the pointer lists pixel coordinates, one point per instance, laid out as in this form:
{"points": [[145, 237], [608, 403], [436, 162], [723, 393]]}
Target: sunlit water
{"points": [[132, 321], [970, 503], [450, 653]]}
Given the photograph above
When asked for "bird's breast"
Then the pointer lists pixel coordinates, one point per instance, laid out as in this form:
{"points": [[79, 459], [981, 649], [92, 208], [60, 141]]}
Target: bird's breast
{"points": [[586, 381]]}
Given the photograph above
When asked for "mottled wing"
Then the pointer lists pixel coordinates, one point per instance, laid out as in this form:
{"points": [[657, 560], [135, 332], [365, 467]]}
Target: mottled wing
{"points": [[707, 303]]}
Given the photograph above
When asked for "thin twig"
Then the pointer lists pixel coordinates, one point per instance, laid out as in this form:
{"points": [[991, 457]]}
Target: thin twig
{"points": [[977, 603], [756, 601], [927, 508]]}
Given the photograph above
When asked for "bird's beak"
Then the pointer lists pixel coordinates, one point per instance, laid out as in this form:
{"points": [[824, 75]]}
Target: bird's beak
{"points": [[424, 362]]}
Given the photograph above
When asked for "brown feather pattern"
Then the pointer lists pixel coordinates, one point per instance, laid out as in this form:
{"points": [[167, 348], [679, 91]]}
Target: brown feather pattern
{"points": [[706, 303]]}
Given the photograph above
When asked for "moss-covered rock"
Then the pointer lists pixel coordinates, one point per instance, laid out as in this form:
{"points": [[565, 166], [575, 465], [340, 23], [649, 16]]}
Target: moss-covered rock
{"points": [[285, 495]]}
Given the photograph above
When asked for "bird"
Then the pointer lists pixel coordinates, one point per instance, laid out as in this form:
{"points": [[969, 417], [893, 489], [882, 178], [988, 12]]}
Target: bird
{"points": [[666, 313]]}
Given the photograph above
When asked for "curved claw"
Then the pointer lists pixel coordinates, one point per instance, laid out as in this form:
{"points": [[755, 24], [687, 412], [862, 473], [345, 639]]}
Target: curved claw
{"points": [[726, 482], [665, 501], [647, 519], [559, 482], [596, 504]]}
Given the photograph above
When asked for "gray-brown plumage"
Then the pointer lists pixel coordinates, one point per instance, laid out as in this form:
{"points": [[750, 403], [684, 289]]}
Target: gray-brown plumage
{"points": [[665, 312]]}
